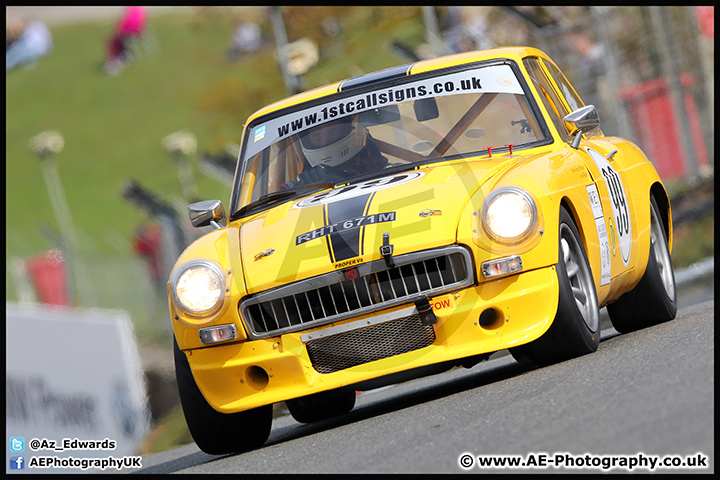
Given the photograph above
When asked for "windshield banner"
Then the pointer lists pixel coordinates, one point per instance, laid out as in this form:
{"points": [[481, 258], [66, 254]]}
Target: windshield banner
{"points": [[495, 79]]}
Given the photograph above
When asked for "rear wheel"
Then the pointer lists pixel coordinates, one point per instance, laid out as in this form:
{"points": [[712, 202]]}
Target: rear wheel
{"points": [[214, 432], [321, 406], [575, 330], [654, 299]]}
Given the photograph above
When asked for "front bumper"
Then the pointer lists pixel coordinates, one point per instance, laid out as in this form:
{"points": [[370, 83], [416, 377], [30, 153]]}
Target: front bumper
{"points": [[241, 376]]}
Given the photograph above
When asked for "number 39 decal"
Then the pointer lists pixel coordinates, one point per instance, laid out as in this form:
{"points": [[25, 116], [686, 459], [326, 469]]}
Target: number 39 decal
{"points": [[619, 203]]}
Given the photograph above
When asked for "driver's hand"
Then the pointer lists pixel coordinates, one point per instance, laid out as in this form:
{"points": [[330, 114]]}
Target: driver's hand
{"points": [[318, 174]]}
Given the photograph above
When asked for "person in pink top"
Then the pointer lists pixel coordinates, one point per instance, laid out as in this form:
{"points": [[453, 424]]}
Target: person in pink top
{"points": [[131, 26]]}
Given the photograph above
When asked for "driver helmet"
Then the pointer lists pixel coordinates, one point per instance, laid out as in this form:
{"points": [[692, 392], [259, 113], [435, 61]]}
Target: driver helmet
{"points": [[333, 143]]}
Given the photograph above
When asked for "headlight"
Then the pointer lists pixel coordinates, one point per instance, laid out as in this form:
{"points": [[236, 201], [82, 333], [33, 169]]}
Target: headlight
{"points": [[199, 287], [509, 215]]}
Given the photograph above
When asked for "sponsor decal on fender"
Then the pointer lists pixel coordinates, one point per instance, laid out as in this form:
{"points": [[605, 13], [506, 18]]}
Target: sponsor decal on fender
{"points": [[613, 237], [605, 263]]}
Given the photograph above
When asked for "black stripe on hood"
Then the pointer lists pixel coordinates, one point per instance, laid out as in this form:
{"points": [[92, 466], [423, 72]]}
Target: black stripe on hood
{"points": [[345, 244]]}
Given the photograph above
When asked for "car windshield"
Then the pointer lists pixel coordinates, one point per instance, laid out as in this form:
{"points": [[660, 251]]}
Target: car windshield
{"points": [[352, 135]]}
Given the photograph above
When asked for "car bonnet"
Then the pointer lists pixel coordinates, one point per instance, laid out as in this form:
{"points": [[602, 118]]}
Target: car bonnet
{"points": [[342, 227]]}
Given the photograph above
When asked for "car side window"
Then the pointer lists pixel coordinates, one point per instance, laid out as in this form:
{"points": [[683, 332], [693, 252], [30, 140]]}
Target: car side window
{"points": [[571, 97], [270, 169], [552, 102]]}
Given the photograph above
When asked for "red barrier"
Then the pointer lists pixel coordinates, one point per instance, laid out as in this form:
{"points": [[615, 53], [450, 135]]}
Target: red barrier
{"points": [[651, 114], [147, 244], [49, 277]]}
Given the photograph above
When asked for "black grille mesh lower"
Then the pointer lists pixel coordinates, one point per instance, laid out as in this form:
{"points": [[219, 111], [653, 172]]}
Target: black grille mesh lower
{"points": [[368, 344]]}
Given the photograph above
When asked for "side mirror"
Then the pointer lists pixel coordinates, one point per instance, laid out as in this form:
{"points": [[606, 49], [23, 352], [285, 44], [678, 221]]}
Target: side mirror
{"points": [[584, 119], [208, 212]]}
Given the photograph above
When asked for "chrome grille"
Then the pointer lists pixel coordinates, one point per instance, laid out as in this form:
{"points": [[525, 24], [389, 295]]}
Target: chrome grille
{"points": [[345, 350], [332, 297]]}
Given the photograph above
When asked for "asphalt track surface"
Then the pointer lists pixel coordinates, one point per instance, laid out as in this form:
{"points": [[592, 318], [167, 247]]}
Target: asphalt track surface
{"points": [[644, 394]]}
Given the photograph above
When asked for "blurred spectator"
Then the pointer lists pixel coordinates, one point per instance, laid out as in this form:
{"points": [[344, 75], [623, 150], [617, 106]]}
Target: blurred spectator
{"points": [[476, 27], [330, 27], [146, 243], [130, 28], [14, 29], [454, 33], [33, 41], [589, 67], [246, 38]]}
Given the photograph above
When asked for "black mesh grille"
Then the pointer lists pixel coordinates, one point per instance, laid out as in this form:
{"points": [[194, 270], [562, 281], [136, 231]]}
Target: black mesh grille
{"points": [[345, 350]]}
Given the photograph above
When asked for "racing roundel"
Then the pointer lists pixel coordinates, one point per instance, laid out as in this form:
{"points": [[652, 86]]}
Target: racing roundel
{"points": [[618, 202], [358, 189]]}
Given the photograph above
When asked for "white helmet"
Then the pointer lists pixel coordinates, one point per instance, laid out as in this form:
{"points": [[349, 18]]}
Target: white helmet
{"points": [[333, 143]]}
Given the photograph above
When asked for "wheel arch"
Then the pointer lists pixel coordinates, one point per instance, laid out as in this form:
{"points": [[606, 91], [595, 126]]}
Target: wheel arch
{"points": [[657, 191], [568, 204]]}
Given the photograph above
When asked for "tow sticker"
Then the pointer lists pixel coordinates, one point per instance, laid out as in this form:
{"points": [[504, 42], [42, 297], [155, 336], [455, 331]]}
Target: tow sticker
{"points": [[619, 203], [605, 264]]}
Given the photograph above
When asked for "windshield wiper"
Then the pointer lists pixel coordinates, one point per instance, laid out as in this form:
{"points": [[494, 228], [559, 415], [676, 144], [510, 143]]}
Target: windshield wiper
{"points": [[278, 195]]}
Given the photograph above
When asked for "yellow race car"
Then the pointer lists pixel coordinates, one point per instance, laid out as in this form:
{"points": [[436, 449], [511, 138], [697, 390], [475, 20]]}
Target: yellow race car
{"points": [[401, 223]]}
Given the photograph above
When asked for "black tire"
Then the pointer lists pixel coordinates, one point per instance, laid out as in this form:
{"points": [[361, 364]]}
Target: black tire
{"points": [[654, 299], [575, 330], [321, 406], [214, 432]]}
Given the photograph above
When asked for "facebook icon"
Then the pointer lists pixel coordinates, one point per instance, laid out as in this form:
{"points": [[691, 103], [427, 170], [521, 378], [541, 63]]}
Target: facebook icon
{"points": [[17, 462]]}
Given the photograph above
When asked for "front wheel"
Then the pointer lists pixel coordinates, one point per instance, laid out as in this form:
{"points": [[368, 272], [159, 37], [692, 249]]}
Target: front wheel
{"points": [[575, 330], [214, 432], [654, 299]]}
